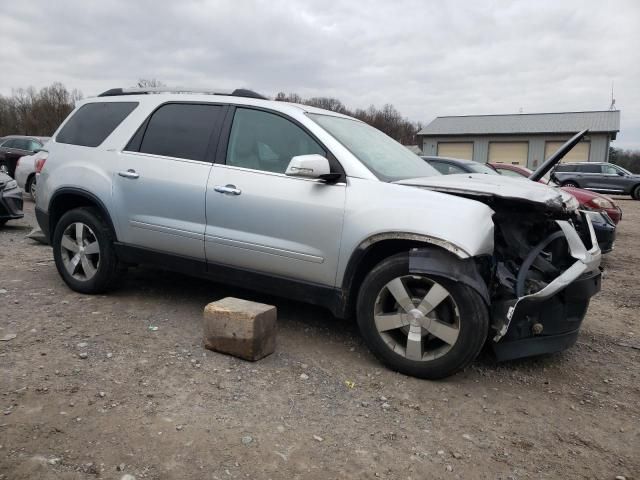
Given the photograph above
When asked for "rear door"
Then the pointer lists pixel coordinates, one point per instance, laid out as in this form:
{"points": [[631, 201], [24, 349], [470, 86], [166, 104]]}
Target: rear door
{"points": [[590, 176], [261, 220], [161, 180]]}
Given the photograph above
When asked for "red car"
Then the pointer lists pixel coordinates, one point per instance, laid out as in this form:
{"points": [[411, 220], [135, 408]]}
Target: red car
{"points": [[588, 199]]}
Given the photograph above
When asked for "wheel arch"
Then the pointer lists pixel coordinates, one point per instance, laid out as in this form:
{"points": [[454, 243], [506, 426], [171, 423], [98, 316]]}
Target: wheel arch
{"points": [[68, 198], [376, 248], [30, 177]]}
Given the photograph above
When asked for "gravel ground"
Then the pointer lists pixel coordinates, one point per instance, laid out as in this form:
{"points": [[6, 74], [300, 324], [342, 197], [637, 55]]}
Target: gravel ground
{"points": [[89, 390]]}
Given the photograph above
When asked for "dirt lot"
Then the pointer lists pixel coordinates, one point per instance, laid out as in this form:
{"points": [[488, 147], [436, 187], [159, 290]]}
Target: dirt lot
{"points": [[155, 404]]}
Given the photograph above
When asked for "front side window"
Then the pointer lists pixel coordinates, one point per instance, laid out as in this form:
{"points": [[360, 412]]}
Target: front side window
{"points": [[265, 141], [181, 130], [34, 145], [382, 155], [94, 122], [10, 143]]}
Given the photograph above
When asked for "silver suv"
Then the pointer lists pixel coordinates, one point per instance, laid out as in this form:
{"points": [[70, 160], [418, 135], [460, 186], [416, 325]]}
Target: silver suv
{"points": [[319, 207]]}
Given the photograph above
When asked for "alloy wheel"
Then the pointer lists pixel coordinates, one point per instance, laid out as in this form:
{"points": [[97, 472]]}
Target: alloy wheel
{"points": [[32, 190], [80, 251], [417, 318]]}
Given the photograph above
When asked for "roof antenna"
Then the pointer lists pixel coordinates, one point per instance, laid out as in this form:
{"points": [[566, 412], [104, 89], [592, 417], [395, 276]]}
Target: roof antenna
{"points": [[613, 100]]}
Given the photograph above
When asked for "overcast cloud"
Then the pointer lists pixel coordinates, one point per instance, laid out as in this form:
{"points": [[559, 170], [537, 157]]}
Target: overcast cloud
{"points": [[426, 58]]}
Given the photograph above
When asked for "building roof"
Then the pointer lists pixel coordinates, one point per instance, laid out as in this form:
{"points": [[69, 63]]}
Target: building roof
{"points": [[525, 123]]}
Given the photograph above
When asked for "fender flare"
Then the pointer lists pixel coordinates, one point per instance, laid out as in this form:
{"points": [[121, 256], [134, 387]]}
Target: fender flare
{"points": [[79, 192], [444, 264]]}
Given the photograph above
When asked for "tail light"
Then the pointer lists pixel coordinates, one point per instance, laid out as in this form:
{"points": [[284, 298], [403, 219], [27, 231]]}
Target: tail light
{"points": [[40, 163]]}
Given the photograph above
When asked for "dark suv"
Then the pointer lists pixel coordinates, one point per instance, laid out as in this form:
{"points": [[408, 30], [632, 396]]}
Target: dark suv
{"points": [[599, 177], [15, 146]]}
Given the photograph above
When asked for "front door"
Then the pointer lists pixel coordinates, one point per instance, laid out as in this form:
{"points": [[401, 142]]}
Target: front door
{"points": [[161, 180], [261, 220]]}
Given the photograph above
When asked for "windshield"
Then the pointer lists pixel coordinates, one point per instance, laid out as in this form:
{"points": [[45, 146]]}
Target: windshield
{"points": [[386, 158], [482, 168]]}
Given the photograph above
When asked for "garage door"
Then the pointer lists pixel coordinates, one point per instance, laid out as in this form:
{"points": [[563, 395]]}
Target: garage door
{"points": [[579, 153], [462, 150], [514, 153]]}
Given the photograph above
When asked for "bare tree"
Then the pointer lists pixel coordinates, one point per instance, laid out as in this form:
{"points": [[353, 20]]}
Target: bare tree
{"points": [[388, 119], [31, 112]]}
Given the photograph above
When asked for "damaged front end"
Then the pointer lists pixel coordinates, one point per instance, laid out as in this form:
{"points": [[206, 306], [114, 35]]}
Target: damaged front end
{"points": [[546, 271], [543, 271]]}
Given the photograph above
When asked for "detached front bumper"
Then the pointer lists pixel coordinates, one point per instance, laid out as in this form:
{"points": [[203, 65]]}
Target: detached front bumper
{"points": [[549, 320], [11, 204]]}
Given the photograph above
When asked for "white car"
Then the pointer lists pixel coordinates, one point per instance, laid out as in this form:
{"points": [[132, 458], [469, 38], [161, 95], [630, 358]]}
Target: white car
{"points": [[25, 173]]}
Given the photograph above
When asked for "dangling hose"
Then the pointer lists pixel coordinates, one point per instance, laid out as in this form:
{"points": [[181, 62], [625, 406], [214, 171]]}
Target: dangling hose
{"points": [[526, 265]]}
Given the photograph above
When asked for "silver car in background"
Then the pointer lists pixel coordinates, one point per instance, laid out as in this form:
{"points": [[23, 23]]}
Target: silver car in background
{"points": [[25, 173], [322, 208]]}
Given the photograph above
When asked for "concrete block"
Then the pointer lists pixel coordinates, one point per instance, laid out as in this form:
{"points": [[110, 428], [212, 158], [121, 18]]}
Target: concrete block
{"points": [[240, 328]]}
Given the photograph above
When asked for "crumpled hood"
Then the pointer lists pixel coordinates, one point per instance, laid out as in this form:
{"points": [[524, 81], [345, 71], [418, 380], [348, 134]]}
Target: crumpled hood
{"points": [[480, 184]]}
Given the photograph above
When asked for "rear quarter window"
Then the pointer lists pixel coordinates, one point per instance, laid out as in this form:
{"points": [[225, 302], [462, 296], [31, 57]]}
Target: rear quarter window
{"points": [[94, 122]]}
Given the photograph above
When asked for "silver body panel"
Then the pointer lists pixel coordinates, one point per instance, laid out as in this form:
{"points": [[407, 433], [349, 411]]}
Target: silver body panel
{"points": [[26, 166], [302, 229]]}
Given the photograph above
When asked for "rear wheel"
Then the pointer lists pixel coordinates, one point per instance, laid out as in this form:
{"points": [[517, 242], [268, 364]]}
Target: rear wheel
{"points": [[570, 184], [83, 251], [636, 193], [4, 167], [421, 325]]}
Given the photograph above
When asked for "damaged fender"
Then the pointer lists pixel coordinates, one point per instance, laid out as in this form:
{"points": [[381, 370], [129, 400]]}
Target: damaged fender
{"points": [[444, 264]]}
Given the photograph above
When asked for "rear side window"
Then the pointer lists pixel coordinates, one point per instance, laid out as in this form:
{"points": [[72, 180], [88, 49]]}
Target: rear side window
{"points": [[94, 122], [589, 168], [565, 168], [179, 130]]}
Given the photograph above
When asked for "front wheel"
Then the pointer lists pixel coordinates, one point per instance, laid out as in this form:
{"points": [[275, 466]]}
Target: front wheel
{"points": [[570, 184], [83, 251], [420, 325], [636, 193]]}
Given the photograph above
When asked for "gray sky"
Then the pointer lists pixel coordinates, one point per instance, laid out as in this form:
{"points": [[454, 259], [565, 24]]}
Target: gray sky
{"points": [[427, 58]]}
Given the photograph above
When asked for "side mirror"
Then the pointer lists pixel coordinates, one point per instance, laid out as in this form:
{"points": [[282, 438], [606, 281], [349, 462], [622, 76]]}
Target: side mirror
{"points": [[622, 174], [308, 166]]}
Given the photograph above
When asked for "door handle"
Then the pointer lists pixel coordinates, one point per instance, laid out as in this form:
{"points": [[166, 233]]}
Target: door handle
{"points": [[228, 189], [131, 173]]}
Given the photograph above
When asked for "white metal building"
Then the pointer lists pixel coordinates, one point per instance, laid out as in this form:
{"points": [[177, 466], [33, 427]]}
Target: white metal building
{"points": [[520, 139]]}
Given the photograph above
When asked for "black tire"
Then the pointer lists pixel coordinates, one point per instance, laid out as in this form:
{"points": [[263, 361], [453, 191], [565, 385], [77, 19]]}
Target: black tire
{"points": [[31, 182], [473, 323], [3, 221], [108, 270], [635, 193], [570, 184]]}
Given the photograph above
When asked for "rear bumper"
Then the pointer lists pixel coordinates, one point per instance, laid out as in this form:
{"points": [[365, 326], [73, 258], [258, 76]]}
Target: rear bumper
{"points": [[11, 204], [556, 320]]}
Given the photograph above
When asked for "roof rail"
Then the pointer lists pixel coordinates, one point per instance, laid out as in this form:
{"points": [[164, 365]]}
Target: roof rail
{"points": [[238, 92]]}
